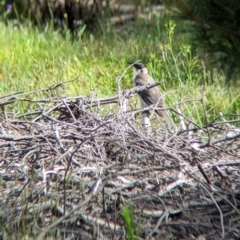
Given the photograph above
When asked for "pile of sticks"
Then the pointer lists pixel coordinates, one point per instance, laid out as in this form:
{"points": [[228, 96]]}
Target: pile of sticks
{"points": [[69, 166]]}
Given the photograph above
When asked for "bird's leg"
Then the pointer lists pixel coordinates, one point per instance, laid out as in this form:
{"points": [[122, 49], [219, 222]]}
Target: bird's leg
{"points": [[124, 105], [146, 120]]}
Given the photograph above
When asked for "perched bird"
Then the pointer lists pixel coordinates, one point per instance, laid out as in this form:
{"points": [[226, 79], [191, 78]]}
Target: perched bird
{"points": [[151, 96]]}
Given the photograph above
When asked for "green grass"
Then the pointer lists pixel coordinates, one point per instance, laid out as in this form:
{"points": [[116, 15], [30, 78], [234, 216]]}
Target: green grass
{"points": [[32, 59], [133, 230]]}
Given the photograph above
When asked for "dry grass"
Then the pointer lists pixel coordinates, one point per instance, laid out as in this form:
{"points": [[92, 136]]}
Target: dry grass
{"points": [[70, 164]]}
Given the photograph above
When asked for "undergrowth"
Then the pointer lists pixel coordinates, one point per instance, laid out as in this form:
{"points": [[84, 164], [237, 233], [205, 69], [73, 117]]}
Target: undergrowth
{"points": [[133, 230], [32, 59]]}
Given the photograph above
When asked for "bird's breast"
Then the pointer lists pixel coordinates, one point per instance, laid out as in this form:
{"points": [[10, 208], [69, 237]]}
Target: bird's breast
{"points": [[135, 77]]}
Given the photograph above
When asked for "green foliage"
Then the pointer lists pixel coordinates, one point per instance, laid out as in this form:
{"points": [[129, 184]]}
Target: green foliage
{"points": [[35, 59], [133, 230], [176, 68], [215, 31], [128, 213]]}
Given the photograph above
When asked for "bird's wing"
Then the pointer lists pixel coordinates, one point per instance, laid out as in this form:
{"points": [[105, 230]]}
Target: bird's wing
{"points": [[168, 120], [152, 95]]}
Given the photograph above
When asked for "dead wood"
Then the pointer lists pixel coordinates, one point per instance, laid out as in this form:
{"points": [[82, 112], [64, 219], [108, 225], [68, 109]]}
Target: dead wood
{"points": [[68, 168]]}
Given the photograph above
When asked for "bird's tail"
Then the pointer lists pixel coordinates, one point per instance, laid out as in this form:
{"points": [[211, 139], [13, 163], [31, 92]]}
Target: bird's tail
{"points": [[168, 120]]}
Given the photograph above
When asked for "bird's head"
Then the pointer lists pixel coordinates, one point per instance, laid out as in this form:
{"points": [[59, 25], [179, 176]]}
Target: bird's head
{"points": [[139, 67]]}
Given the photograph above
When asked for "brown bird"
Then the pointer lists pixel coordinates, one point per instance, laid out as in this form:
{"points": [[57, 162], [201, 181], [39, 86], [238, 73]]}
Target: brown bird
{"points": [[151, 96]]}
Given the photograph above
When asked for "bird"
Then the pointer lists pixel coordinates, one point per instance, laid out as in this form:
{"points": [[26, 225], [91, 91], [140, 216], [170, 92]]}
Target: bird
{"points": [[150, 96]]}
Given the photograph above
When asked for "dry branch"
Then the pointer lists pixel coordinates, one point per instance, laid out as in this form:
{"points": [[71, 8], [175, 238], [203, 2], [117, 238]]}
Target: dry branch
{"points": [[68, 169]]}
